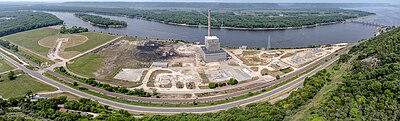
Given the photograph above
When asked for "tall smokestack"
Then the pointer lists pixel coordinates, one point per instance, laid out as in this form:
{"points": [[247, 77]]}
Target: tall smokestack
{"points": [[209, 22]]}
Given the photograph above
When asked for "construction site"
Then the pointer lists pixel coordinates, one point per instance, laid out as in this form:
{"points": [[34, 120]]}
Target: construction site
{"points": [[186, 70]]}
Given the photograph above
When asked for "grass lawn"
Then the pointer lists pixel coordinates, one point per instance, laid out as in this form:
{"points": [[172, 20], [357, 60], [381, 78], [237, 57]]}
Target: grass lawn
{"points": [[129, 38], [286, 70], [94, 39], [29, 39], [22, 84], [86, 65], [5, 66], [34, 58]]}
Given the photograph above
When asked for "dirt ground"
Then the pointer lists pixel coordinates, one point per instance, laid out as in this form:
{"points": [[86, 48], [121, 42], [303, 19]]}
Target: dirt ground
{"points": [[126, 54], [271, 73], [73, 40], [254, 57]]}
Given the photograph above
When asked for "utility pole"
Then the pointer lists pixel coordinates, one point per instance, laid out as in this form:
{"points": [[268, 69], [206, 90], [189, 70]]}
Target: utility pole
{"points": [[222, 25], [269, 42]]}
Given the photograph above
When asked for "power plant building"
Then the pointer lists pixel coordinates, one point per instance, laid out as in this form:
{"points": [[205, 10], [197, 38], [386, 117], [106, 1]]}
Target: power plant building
{"points": [[212, 51]]}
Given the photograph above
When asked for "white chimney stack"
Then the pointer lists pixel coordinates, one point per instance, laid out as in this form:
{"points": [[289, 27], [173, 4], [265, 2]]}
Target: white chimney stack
{"points": [[209, 22]]}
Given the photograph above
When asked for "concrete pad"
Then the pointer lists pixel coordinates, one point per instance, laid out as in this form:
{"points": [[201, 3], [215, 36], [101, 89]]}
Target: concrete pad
{"points": [[239, 75], [130, 74]]}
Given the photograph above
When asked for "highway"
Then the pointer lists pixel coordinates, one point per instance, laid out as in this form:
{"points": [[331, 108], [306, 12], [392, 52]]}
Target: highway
{"points": [[134, 108]]}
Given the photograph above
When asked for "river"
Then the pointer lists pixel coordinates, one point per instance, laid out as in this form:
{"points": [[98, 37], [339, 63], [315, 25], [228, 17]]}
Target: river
{"points": [[320, 35]]}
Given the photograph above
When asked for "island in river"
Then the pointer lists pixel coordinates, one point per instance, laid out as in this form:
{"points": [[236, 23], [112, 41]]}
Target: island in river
{"points": [[241, 19], [101, 21]]}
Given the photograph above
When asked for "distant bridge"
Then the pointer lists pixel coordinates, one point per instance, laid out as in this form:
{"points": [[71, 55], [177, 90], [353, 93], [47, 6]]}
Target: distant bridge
{"points": [[369, 23]]}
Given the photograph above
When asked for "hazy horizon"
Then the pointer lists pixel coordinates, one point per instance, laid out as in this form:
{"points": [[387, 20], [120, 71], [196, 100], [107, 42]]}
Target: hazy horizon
{"points": [[222, 1]]}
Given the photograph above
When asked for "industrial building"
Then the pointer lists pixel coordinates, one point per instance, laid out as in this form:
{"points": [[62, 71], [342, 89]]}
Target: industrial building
{"points": [[212, 51]]}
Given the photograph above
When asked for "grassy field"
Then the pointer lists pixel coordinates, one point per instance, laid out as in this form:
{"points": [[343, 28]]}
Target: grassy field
{"points": [[73, 40], [34, 58], [86, 65], [129, 38], [94, 40], [5, 66], [29, 39], [22, 84]]}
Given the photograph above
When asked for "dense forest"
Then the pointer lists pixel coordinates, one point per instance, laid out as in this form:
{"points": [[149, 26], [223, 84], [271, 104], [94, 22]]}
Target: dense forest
{"points": [[370, 89], [238, 18], [13, 22], [100, 21]]}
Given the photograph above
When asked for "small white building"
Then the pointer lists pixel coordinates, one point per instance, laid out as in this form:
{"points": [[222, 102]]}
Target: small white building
{"points": [[160, 64]]}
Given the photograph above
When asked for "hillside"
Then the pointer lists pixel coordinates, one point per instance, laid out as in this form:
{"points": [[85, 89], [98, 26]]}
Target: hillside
{"points": [[370, 88]]}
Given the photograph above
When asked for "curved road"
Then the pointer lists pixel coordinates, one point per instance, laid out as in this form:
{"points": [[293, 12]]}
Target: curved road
{"points": [[134, 108]]}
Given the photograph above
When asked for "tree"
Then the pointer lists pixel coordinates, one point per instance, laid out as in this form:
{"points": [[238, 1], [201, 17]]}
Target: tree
{"points": [[124, 113], [179, 84], [278, 77], [232, 81], [2, 112], [212, 85], [29, 93], [73, 30], [191, 85], [11, 75], [75, 83]]}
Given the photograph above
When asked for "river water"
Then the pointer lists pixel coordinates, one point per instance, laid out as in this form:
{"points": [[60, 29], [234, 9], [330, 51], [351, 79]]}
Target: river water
{"points": [[327, 34]]}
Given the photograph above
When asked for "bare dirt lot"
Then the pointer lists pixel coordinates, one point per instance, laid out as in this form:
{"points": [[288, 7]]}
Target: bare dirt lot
{"points": [[105, 63]]}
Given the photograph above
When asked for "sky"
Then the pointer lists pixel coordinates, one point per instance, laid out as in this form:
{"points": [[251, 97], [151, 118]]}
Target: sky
{"points": [[254, 1]]}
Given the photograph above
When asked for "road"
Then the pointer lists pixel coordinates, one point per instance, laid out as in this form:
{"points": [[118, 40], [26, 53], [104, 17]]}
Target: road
{"points": [[134, 108]]}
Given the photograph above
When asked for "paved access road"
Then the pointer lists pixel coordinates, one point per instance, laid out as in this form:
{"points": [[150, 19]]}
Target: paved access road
{"points": [[134, 108]]}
